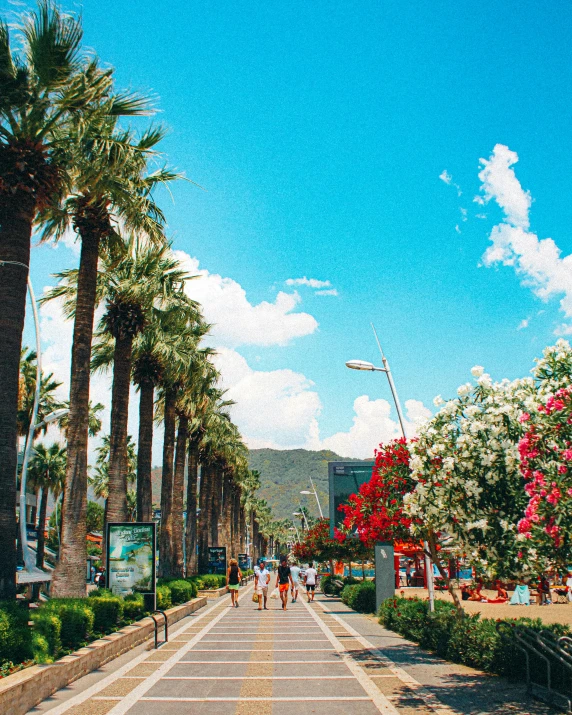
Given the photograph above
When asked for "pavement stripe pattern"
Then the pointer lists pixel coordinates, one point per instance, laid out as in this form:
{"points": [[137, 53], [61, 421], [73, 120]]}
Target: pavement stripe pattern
{"points": [[230, 661]]}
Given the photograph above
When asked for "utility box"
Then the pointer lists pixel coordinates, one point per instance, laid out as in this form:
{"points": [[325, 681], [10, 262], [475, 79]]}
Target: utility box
{"points": [[384, 573]]}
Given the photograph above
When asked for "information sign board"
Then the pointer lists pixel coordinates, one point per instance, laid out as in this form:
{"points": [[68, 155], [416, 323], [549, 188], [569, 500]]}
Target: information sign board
{"points": [[217, 559], [243, 562], [345, 478], [131, 557]]}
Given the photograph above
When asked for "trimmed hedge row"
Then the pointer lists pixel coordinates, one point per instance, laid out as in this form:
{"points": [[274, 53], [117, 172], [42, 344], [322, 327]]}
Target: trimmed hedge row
{"points": [[466, 639], [208, 581], [360, 596], [65, 624]]}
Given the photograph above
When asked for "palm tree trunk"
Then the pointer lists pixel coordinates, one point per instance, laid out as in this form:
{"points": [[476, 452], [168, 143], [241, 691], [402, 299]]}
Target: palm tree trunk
{"points": [[16, 216], [191, 530], [178, 564], [69, 576], [204, 515], [41, 528], [166, 537], [226, 511], [216, 507], [241, 528], [145, 451], [117, 499]]}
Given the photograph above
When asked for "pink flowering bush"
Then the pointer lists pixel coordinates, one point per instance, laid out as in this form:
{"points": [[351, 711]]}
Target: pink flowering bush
{"points": [[545, 450]]}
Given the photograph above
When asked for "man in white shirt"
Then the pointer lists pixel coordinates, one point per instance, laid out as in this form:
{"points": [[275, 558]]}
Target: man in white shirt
{"points": [[261, 581], [295, 573], [310, 578]]}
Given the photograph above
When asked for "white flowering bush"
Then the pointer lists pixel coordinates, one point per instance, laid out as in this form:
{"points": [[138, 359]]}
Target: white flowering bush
{"points": [[465, 464]]}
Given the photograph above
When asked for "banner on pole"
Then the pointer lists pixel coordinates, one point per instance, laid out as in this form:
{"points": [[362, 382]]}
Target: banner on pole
{"points": [[131, 557], [217, 559]]}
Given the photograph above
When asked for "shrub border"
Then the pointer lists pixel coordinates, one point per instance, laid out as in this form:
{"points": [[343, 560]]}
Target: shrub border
{"points": [[23, 690]]}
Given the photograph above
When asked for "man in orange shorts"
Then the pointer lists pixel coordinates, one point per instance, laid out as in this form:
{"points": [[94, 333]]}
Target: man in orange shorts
{"points": [[284, 581]]}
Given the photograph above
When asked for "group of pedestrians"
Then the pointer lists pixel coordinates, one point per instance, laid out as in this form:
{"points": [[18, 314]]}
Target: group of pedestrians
{"points": [[287, 580]]}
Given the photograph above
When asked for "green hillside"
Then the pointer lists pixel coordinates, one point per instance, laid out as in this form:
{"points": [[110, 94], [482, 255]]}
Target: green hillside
{"points": [[285, 473]]}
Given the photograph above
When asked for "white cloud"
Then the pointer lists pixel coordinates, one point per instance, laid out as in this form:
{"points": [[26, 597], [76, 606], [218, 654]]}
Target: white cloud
{"points": [[310, 282], [523, 324], [273, 408], [499, 182], [538, 261], [57, 338], [448, 179], [372, 425], [236, 321], [331, 291]]}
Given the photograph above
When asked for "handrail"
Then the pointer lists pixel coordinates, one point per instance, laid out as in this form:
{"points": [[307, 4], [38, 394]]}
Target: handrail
{"points": [[545, 646], [156, 622]]}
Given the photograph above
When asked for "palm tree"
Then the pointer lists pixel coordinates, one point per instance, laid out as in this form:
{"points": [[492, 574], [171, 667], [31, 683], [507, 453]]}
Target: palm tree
{"points": [[46, 85], [146, 279], [47, 472], [168, 339], [48, 402]]}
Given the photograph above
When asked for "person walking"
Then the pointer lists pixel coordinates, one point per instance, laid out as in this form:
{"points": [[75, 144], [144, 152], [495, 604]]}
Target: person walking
{"points": [[310, 581], [284, 581], [295, 574], [233, 577], [261, 581]]}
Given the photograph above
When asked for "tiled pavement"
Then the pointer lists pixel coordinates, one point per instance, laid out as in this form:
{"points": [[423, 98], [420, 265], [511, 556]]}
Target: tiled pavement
{"points": [[309, 659]]}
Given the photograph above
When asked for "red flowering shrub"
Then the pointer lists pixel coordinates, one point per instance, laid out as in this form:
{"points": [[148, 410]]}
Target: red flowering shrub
{"points": [[376, 512], [317, 545]]}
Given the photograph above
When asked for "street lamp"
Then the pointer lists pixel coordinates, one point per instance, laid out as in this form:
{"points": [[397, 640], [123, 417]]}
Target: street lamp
{"points": [[48, 419], [370, 367], [315, 493]]}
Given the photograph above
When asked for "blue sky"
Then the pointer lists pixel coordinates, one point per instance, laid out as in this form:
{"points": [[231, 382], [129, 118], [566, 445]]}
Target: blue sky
{"points": [[319, 131]]}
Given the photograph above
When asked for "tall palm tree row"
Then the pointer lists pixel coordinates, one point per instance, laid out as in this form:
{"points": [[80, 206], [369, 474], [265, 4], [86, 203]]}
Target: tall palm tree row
{"points": [[69, 163]]}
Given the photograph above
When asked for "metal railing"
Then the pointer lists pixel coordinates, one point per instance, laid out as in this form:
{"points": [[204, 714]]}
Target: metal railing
{"points": [[551, 683]]}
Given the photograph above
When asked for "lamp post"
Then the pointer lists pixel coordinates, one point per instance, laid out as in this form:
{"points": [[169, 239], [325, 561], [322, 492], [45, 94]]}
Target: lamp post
{"points": [[48, 419], [295, 528], [315, 493], [368, 366]]}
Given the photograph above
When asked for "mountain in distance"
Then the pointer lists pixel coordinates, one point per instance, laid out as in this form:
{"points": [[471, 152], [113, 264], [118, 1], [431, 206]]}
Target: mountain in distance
{"points": [[284, 473]]}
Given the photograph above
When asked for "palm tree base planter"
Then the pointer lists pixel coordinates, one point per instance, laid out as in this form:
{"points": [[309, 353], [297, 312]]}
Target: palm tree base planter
{"points": [[212, 592], [23, 690]]}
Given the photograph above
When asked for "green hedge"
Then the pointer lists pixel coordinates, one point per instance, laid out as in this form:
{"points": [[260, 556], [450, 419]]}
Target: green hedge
{"points": [[208, 581], [76, 618], [466, 639], [64, 624], [133, 608], [15, 635], [107, 613], [48, 625], [360, 596], [164, 597]]}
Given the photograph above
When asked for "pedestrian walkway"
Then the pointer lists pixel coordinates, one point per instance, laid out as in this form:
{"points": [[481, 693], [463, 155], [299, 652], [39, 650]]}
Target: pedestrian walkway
{"points": [[315, 658]]}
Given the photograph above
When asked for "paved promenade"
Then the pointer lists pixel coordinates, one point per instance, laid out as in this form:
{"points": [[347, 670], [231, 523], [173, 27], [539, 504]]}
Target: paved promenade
{"points": [[318, 659]]}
